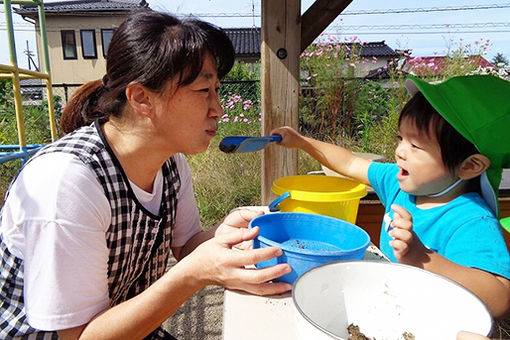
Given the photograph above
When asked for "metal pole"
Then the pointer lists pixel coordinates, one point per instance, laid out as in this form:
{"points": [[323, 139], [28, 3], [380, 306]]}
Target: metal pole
{"points": [[15, 74], [47, 69]]}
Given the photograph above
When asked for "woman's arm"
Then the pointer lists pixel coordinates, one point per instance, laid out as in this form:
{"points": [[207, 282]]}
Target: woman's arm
{"points": [[213, 262]]}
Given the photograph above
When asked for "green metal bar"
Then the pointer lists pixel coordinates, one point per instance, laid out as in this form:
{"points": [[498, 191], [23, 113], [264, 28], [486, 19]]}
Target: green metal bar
{"points": [[10, 32], [44, 39], [47, 70], [26, 2]]}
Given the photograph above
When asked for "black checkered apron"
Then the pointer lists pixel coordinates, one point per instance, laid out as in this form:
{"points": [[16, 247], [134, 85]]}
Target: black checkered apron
{"points": [[138, 241]]}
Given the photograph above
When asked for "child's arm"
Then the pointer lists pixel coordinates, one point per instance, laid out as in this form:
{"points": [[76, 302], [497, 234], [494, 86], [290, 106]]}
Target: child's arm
{"points": [[333, 156], [492, 289]]}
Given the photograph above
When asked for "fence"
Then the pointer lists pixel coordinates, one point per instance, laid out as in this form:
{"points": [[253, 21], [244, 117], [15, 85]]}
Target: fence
{"points": [[35, 107], [247, 89]]}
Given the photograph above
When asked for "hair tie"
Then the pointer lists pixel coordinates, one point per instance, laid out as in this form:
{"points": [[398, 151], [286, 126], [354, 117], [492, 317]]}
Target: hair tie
{"points": [[105, 80]]}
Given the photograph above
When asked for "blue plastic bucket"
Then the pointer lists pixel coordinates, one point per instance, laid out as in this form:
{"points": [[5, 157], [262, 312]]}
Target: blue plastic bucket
{"points": [[308, 240]]}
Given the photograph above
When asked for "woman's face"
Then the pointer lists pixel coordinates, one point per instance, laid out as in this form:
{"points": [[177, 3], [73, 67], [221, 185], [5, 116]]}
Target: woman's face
{"points": [[418, 157], [187, 118]]}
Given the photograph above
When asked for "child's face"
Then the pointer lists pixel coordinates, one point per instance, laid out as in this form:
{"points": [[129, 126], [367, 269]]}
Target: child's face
{"points": [[418, 156]]}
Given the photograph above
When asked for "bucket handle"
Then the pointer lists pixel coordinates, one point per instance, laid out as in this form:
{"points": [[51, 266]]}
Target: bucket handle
{"points": [[274, 206]]}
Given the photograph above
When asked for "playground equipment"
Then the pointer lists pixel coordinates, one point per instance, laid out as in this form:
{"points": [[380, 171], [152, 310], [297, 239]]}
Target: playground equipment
{"points": [[22, 150]]}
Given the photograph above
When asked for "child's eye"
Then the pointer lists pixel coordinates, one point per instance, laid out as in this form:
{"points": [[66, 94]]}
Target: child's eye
{"points": [[399, 138]]}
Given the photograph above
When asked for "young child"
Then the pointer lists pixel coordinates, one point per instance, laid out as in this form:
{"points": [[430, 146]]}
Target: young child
{"points": [[440, 198]]}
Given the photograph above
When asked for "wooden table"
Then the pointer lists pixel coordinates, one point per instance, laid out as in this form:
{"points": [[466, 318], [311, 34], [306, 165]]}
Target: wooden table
{"points": [[247, 316]]}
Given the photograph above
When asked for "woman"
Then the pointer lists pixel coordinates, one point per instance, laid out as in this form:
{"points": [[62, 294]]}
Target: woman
{"points": [[88, 224]]}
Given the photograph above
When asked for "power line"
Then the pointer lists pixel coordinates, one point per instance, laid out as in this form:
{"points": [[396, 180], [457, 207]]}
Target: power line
{"points": [[423, 27], [415, 32], [363, 12], [358, 12], [27, 26], [425, 10]]}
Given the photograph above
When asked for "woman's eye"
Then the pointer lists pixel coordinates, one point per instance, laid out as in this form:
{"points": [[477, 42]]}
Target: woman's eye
{"points": [[204, 90]]}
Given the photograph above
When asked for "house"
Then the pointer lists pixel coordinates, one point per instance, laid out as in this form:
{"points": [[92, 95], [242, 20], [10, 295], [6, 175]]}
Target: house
{"points": [[78, 35], [79, 32], [377, 54], [246, 43]]}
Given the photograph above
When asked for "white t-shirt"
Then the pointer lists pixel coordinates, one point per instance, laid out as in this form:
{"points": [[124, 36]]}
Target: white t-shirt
{"points": [[59, 233]]}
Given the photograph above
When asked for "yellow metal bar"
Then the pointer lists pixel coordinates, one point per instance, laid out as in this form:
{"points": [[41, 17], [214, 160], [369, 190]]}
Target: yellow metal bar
{"points": [[18, 108], [22, 71], [21, 76], [51, 110], [15, 73]]}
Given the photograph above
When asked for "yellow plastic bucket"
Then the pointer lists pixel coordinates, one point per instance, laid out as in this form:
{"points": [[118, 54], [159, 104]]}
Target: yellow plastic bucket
{"points": [[325, 195]]}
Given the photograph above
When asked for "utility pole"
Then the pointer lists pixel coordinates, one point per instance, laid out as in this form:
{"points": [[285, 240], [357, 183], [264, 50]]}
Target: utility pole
{"points": [[29, 55]]}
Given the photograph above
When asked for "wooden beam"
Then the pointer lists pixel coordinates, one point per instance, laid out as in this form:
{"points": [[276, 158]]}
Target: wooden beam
{"points": [[316, 18], [280, 49]]}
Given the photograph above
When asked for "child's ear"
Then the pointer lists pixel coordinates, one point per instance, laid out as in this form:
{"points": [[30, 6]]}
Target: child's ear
{"points": [[473, 166], [139, 98]]}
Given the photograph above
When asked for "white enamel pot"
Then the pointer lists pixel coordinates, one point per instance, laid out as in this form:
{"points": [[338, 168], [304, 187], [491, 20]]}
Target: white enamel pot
{"points": [[384, 300]]}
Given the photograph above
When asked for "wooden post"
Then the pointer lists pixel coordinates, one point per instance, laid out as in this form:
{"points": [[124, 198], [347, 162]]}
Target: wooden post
{"points": [[280, 49]]}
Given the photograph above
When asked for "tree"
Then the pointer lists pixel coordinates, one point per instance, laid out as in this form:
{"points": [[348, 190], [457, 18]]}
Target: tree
{"points": [[498, 59]]}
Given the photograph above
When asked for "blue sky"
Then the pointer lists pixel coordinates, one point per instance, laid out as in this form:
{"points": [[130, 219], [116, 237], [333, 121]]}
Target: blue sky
{"points": [[492, 24]]}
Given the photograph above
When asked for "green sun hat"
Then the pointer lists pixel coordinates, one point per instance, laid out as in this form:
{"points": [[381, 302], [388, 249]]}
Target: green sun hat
{"points": [[478, 107]]}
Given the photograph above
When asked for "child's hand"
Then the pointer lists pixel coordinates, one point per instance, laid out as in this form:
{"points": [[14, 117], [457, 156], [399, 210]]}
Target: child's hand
{"points": [[290, 137], [407, 247]]}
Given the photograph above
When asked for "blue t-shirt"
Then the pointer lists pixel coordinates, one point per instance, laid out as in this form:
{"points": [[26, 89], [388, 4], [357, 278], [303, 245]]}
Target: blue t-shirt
{"points": [[464, 230]]}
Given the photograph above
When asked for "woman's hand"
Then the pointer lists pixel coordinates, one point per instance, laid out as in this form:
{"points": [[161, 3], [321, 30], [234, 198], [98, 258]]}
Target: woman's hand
{"points": [[407, 247], [219, 264], [463, 335], [239, 218]]}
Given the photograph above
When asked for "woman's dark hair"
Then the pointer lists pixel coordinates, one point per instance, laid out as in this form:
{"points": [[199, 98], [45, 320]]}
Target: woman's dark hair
{"points": [[148, 48], [454, 147]]}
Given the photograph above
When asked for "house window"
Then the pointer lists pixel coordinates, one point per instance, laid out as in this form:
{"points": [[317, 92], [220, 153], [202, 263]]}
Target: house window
{"points": [[106, 36], [88, 44], [68, 44]]}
